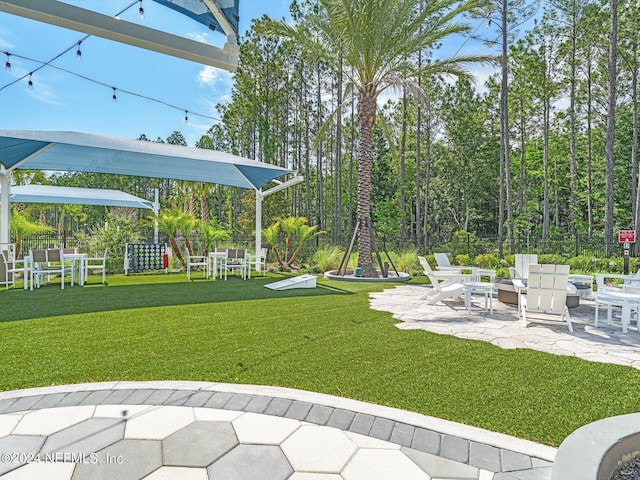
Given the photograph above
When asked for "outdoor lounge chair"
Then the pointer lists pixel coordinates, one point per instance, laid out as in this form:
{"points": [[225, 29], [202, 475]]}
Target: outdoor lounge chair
{"points": [[445, 285], [198, 261], [546, 293], [445, 265]]}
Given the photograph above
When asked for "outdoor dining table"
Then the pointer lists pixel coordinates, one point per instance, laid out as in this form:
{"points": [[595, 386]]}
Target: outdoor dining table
{"points": [[81, 258], [213, 257]]}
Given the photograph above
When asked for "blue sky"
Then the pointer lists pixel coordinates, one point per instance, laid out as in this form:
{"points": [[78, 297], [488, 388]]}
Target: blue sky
{"points": [[60, 101]]}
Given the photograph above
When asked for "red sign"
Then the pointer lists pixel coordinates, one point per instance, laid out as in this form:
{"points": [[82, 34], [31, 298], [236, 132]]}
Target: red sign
{"points": [[627, 236]]}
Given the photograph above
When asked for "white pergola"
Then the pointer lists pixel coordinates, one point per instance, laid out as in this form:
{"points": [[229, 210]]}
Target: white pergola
{"points": [[82, 152]]}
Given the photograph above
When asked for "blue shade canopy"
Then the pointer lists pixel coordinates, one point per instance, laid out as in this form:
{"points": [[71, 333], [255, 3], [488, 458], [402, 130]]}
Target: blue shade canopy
{"points": [[198, 10], [82, 152], [74, 195]]}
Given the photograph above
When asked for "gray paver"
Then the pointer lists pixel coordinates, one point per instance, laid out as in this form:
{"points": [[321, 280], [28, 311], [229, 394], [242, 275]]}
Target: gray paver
{"points": [[257, 404], [73, 399], [198, 399], [6, 403], [382, 428], [49, 401], [427, 441], [455, 448], [485, 456], [278, 407], [95, 398], [124, 460], [179, 398], [238, 402], [319, 414], [298, 410], [158, 397], [257, 462], [512, 461], [118, 396], [362, 424], [23, 403], [403, 434], [218, 400], [17, 450], [199, 444], [341, 419], [139, 397], [438, 467], [538, 463], [86, 437]]}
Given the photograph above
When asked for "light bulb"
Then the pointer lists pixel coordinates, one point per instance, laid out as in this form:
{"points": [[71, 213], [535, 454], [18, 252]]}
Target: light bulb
{"points": [[7, 65], [186, 116], [78, 52], [114, 98], [30, 84], [141, 11]]}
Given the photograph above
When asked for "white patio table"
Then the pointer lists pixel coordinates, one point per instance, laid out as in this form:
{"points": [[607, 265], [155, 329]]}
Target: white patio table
{"points": [[81, 258], [627, 301]]}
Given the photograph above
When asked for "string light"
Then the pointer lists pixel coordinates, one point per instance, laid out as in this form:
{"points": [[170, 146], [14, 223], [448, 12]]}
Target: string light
{"points": [[98, 82], [186, 116], [141, 11], [78, 52], [7, 65], [30, 84]]}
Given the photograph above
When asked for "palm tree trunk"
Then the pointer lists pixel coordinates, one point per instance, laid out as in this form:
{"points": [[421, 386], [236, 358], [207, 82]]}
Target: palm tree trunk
{"points": [[366, 118]]}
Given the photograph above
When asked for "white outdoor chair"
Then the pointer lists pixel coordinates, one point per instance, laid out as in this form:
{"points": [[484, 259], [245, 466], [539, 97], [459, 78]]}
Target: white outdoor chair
{"points": [[237, 261], [523, 261], [97, 264], [444, 275], [8, 266], [198, 261], [260, 262], [546, 293], [46, 263], [445, 285]]}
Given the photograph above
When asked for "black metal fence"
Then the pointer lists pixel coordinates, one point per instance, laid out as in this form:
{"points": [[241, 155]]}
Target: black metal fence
{"points": [[461, 243]]}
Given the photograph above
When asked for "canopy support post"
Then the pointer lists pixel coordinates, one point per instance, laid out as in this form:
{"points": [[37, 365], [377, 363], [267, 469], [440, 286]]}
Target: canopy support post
{"points": [[5, 205]]}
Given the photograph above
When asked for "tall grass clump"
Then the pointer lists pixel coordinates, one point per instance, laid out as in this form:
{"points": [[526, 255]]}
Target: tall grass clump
{"points": [[327, 258], [406, 260]]}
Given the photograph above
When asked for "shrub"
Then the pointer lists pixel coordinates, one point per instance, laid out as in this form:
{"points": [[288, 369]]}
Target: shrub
{"points": [[486, 260], [327, 258], [552, 259], [464, 260], [406, 260]]}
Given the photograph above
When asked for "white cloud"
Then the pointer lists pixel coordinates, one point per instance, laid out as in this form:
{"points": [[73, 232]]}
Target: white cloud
{"points": [[215, 78], [198, 37]]}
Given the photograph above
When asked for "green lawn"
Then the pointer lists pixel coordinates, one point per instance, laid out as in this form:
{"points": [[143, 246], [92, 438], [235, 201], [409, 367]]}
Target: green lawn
{"points": [[163, 327]]}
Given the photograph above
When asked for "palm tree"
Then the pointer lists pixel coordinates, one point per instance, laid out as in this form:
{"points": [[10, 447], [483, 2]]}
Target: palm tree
{"points": [[377, 40], [169, 222]]}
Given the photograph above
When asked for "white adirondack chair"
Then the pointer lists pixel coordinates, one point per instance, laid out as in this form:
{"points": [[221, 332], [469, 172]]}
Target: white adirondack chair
{"points": [[523, 261], [546, 293], [445, 284]]}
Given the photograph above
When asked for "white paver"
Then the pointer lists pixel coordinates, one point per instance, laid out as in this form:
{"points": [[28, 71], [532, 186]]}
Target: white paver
{"points": [[363, 441], [178, 473], [264, 429], [51, 420], [8, 423], [382, 465], [116, 411], [48, 470], [159, 422], [318, 449], [314, 476], [215, 414]]}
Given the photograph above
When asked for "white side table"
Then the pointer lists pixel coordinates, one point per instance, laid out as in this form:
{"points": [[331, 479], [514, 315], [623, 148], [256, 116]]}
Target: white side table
{"points": [[479, 287]]}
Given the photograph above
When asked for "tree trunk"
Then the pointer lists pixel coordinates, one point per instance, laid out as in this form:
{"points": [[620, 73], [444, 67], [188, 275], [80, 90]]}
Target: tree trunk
{"points": [[366, 118], [611, 124]]}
